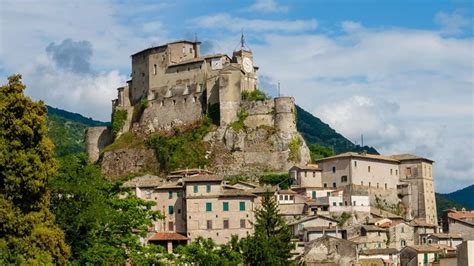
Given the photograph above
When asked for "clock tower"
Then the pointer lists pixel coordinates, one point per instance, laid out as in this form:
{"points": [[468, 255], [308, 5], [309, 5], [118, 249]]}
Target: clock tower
{"points": [[244, 57]]}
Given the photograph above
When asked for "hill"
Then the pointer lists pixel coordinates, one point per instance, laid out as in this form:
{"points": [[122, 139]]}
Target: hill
{"points": [[443, 203], [66, 130], [316, 131], [463, 196]]}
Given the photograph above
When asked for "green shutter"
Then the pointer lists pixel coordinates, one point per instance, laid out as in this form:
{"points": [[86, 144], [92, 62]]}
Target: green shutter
{"points": [[170, 195], [314, 194], [196, 189], [242, 205], [225, 206], [170, 209], [208, 188], [209, 206]]}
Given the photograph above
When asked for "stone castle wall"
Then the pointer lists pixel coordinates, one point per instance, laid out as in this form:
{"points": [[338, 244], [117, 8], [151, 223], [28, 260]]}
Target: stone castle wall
{"points": [[96, 139]]}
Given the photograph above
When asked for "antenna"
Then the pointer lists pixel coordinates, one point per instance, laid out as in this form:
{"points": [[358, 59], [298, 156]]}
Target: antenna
{"points": [[279, 89], [242, 40], [362, 140]]}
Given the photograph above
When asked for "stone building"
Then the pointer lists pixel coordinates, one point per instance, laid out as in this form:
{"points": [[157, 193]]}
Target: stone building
{"points": [[386, 178], [459, 222], [328, 250]]}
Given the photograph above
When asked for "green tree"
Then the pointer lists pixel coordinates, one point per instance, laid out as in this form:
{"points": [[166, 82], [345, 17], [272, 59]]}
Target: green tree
{"points": [[318, 151], [28, 233], [271, 242], [205, 252], [103, 222]]}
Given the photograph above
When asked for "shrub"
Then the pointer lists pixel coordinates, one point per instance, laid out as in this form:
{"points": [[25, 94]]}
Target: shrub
{"points": [[239, 124], [281, 179], [255, 95], [118, 120], [182, 149], [294, 148], [319, 151]]}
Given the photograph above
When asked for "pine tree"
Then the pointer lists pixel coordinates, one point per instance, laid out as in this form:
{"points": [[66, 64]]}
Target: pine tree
{"points": [[28, 233], [271, 242]]}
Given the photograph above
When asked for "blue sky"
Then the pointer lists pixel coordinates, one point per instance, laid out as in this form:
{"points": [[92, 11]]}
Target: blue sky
{"points": [[399, 72]]}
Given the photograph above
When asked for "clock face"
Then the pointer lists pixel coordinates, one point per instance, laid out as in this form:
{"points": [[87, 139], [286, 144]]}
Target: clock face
{"points": [[247, 64]]}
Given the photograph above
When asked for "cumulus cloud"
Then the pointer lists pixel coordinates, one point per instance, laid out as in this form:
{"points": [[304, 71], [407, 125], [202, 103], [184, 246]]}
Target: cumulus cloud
{"points": [[235, 24], [267, 6]]}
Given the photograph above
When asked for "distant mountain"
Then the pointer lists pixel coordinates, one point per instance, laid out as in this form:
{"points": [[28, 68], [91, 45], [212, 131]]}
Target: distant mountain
{"points": [[66, 130], [443, 203], [316, 131], [464, 196]]}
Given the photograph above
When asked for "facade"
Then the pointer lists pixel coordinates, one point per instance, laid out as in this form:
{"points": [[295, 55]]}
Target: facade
{"points": [[466, 253], [385, 178], [401, 235], [423, 254], [386, 256], [329, 250], [459, 222]]}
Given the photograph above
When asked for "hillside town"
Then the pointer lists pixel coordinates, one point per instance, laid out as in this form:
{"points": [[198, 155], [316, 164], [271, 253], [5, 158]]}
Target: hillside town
{"points": [[353, 208]]}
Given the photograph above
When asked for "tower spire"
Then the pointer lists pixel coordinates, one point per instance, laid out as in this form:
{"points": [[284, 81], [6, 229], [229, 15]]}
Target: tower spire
{"points": [[242, 40]]}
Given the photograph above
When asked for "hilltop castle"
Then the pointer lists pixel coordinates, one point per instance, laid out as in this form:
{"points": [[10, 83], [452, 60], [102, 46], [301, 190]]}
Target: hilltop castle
{"points": [[173, 85]]}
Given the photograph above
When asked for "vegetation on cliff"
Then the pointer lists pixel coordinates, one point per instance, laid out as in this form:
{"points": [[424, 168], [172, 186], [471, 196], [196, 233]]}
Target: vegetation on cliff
{"points": [[28, 231], [294, 147], [119, 116], [255, 95], [318, 151], [240, 123], [183, 148], [276, 179]]}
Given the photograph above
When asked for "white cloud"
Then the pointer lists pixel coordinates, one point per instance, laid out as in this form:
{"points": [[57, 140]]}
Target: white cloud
{"points": [[228, 22], [89, 94], [452, 23], [267, 6]]}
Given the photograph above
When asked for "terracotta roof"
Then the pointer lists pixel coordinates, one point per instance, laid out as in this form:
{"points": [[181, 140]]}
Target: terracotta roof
{"points": [[373, 228], [202, 178], [431, 248], [379, 251], [310, 167], [171, 185], [408, 157], [144, 181], [162, 236], [309, 218], [287, 191], [359, 156], [261, 190], [461, 214]]}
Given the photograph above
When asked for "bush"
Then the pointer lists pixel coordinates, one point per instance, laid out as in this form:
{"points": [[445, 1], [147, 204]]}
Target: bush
{"points": [[319, 151], [255, 95], [118, 120], [126, 140], [294, 148], [281, 179], [139, 108], [182, 149], [239, 124]]}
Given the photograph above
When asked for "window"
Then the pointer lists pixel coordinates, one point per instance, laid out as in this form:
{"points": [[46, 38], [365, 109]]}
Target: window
{"points": [[354, 203], [242, 205], [325, 185], [391, 170], [179, 211], [355, 163], [184, 49], [170, 195], [174, 102], [403, 229], [291, 197], [170, 209], [334, 184], [170, 226], [190, 50], [286, 197], [281, 197], [361, 183], [333, 169], [196, 189], [208, 188], [343, 178], [314, 174], [226, 224], [396, 172], [334, 204], [408, 171], [368, 168], [305, 174], [340, 203], [313, 194], [208, 206], [328, 194], [178, 194], [369, 184], [225, 206], [377, 185], [385, 185], [378, 233], [209, 224], [162, 103], [154, 69], [242, 223]]}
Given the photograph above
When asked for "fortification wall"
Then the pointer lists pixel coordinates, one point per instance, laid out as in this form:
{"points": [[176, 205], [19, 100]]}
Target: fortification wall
{"points": [[260, 113], [96, 139], [229, 95], [285, 119], [164, 113]]}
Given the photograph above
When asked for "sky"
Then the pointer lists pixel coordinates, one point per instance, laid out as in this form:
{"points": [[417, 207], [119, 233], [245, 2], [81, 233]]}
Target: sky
{"points": [[399, 72]]}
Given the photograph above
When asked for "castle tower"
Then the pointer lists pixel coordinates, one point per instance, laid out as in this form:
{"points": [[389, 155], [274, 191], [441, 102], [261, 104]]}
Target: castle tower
{"points": [[285, 118]]}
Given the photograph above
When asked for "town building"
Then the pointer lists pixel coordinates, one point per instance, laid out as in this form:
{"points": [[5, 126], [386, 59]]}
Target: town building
{"points": [[328, 250], [423, 254], [459, 222], [465, 252], [379, 256]]}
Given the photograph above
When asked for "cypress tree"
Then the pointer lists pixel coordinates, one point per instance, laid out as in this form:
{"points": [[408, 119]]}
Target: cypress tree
{"points": [[271, 242]]}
